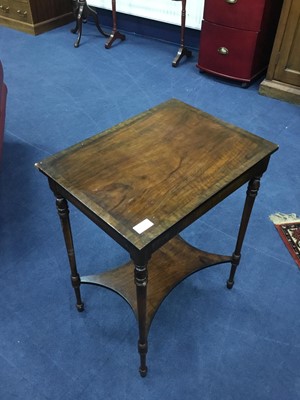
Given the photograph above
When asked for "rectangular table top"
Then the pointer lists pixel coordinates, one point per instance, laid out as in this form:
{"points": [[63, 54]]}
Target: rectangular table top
{"points": [[169, 164]]}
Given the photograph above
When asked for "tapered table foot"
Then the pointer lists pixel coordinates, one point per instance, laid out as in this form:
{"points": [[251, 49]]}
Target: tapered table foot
{"points": [[229, 284], [143, 372], [80, 307]]}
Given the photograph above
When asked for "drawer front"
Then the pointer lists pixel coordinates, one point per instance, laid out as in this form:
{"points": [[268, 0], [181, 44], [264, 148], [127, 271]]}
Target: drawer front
{"points": [[20, 10], [238, 14], [227, 51]]}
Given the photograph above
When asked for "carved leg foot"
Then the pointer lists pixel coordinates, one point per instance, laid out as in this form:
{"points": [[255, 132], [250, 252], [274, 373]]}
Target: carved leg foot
{"points": [[79, 25], [183, 51], [115, 33], [113, 37]]}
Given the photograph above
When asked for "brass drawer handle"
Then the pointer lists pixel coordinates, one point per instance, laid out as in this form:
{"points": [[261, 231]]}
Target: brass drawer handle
{"points": [[22, 13], [223, 51], [5, 9], [231, 1]]}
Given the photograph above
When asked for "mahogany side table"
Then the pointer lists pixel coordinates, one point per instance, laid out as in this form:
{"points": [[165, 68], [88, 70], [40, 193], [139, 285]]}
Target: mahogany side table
{"points": [[145, 180]]}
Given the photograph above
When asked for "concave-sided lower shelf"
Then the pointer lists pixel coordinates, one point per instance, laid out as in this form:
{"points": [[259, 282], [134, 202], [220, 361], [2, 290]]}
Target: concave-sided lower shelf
{"points": [[167, 267]]}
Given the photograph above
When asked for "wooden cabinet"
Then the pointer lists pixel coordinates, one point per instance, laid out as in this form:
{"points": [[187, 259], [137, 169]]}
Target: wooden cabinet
{"points": [[283, 76], [237, 36], [35, 16]]}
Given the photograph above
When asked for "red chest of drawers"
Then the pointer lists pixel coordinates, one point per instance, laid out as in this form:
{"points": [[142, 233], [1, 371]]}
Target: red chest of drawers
{"points": [[237, 36]]}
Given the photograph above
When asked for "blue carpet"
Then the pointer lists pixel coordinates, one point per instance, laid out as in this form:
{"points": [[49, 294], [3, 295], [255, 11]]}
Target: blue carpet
{"points": [[205, 342]]}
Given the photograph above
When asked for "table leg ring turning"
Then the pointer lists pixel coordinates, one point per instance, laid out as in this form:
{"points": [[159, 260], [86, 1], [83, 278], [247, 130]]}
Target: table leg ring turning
{"points": [[143, 349]]}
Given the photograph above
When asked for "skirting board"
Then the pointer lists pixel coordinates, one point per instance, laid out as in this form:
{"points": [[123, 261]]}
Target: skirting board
{"points": [[280, 91]]}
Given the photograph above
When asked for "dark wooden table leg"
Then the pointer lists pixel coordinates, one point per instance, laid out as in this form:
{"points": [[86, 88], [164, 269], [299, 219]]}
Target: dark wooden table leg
{"points": [[75, 7], [141, 280], [182, 51], [63, 212], [78, 28], [252, 191], [115, 34], [81, 11], [96, 19]]}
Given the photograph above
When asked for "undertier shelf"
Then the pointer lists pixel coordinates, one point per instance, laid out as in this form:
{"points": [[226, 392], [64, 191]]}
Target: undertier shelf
{"points": [[168, 266]]}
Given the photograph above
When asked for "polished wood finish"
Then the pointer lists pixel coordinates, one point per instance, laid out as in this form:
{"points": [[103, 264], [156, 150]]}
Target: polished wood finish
{"points": [[81, 11], [115, 34], [248, 15], [35, 16], [167, 267], [283, 75], [183, 51], [63, 212], [237, 36], [168, 165]]}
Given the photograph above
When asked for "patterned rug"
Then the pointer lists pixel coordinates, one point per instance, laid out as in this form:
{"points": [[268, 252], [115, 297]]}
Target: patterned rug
{"points": [[288, 227]]}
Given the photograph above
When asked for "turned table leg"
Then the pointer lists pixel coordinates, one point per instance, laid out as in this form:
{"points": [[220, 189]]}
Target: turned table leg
{"points": [[182, 51], [63, 212], [115, 34], [252, 191], [141, 280]]}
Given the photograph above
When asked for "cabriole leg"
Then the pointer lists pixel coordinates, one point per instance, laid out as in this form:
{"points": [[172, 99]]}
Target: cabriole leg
{"points": [[81, 6]]}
